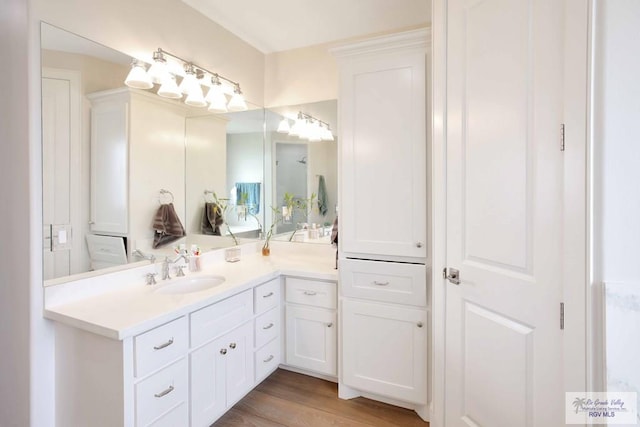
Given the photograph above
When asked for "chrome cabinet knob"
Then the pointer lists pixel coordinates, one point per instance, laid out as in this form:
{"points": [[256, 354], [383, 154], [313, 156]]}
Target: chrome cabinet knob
{"points": [[232, 345], [223, 351], [420, 324], [418, 244]]}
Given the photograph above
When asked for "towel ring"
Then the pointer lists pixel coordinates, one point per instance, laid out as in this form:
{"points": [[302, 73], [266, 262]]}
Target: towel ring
{"points": [[164, 192], [207, 192]]}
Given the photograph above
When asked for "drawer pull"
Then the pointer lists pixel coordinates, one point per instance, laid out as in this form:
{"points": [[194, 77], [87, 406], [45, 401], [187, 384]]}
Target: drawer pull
{"points": [[270, 294], [375, 282], [269, 326], [310, 293], [268, 359], [164, 392], [232, 345], [161, 346], [223, 351], [329, 325]]}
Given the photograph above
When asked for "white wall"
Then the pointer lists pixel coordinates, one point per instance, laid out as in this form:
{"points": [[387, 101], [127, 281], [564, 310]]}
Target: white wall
{"points": [[616, 183], [245, 164], [15, 218]]}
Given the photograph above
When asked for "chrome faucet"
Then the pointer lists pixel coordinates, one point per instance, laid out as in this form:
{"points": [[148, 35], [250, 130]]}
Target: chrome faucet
{"points": [[139, 253], [167, 262]]}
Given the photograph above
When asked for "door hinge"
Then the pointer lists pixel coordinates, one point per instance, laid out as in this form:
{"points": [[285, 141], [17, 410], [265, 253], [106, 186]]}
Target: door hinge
{"points": [[562, 316], [562, 137]]}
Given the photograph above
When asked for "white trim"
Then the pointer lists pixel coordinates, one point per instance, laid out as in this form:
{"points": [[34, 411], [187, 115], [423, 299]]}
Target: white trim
{"points": [[412, 39], [575, 204], [438, 210]]}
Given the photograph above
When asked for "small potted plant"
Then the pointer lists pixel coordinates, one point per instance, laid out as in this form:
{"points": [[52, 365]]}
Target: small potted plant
{"points": [[291, 204]]}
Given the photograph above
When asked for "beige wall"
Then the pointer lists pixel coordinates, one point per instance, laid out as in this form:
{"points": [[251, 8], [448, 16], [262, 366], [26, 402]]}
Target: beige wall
{"points": [[139, 27], [300, 76]]}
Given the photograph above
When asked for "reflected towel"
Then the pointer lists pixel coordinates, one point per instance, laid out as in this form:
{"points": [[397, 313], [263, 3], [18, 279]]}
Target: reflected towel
{"points": [[248, 193], [323, 197], [211, 219], [167, 226]]}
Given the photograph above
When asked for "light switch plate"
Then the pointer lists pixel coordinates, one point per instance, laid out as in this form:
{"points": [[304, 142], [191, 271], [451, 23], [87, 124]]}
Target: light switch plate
{"points": [[61, 236]]}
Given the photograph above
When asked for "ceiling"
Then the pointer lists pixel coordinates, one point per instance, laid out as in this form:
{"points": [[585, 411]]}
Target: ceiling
{"points": [[278, 25]]}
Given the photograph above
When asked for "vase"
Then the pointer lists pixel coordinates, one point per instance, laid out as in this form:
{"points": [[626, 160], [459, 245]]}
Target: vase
{"points": [[266, 251]]}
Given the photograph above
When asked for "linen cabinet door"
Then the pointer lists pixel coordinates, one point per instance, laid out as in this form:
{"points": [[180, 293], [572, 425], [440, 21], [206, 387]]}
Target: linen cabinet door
{"points": [[208, 388], [384, 350]]}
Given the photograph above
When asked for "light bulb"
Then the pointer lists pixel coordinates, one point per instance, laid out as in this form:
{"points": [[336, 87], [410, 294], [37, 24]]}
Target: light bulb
{"points": [[195, 97], [137, 77], [284, 127], [216, 99], [158, 71], [169, 89], [237, 102]]}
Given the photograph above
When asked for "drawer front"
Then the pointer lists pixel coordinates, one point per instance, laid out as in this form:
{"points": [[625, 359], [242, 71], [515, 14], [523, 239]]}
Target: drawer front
{"points": [[311, 292], [161, 393], [267, 326], [267, 296], [219, 318], [267, 359], [177, 417], [384, 281], [160, 346]]}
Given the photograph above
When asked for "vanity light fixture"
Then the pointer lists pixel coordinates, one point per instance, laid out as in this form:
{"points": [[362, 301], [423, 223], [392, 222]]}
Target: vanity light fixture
{"points": [[193, 77], [307, 127], [138, 77]]}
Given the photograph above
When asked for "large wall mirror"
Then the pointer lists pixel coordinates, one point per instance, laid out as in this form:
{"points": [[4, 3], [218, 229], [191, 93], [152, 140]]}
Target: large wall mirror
{"points": [[100, 200]]}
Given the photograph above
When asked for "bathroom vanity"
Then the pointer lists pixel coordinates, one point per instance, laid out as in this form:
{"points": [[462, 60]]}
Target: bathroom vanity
{"points": [[129, 354]]}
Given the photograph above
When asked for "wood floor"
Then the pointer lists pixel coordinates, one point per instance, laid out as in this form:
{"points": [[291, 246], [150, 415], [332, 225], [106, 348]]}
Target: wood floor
{"points": [[295, 400]]}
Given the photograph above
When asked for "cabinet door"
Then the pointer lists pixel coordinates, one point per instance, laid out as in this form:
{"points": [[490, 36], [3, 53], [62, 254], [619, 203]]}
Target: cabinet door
{"points": [[384, 350], [383, 208], [109, 167], [311, 339], [239, 362], [208, 388]]}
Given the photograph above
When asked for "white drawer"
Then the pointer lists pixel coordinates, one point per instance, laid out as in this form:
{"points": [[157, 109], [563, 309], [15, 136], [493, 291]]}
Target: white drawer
{"points": [[161, 393], [216, 319], [267, 359], [176, 417], [311, 292], [160, 346], [267, 295], [384, 281], [267, 326]]}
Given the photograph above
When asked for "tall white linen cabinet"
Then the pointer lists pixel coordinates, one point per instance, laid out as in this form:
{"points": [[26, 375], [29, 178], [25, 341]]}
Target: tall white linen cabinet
{"points": [[383, 205]]}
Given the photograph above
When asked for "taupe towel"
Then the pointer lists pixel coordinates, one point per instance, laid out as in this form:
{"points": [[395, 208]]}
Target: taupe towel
{"points": [[167, 226], [212, 219]]}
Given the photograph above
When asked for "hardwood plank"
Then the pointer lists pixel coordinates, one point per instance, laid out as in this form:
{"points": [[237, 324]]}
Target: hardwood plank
{"points": [[291, 399]]}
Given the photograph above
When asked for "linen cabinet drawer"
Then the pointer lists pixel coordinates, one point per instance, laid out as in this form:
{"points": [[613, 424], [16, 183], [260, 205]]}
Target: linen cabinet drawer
{"points": [[267, 359], [216, 319], [267, 326], [161, 393], [267, 295], [159, 346], [384, 281], [311, 292]]}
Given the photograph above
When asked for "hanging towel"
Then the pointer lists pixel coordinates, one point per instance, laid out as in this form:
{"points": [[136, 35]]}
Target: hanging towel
{"points": [[212, 219], [167, 226], [323, 198], [251, 192]]}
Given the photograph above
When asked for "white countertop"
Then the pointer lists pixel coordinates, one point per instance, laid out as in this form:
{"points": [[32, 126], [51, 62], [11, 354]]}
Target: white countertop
{"points": [[129, 307]]}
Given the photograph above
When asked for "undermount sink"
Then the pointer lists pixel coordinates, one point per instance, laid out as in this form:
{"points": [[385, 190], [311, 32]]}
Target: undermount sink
{"points": [[187, 285]]}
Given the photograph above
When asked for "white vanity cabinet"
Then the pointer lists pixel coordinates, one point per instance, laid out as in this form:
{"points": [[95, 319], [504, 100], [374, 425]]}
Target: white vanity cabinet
{"points": [[383, 146], [311, 325], [186, 372]]}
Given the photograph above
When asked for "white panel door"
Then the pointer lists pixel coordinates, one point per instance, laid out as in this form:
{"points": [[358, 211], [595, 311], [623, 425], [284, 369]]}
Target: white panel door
{"points": [[240, 368], [504, 213], [208, 386], [64, 248], [311, 339]]}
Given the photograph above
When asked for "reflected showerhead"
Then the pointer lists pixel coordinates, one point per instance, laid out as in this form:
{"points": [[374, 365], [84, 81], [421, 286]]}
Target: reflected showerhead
{"points": [[303, 160]]}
